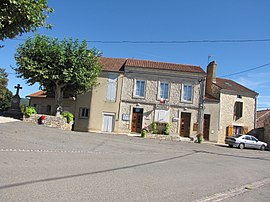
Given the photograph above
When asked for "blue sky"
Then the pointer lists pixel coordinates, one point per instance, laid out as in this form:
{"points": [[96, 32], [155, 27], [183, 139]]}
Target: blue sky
{"points": [[155, 20]]}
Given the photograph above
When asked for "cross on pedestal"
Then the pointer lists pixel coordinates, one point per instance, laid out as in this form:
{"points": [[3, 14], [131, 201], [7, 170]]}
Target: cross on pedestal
{"points": [[18, 87]]}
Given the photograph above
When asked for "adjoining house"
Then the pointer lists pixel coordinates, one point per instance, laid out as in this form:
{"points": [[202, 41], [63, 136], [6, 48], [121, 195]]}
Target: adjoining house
{"points": [[262, 129], [44, 102], [231, 106], [133, 94]]}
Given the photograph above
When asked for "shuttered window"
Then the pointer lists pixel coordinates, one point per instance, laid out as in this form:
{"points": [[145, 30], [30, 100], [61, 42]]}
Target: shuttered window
{"points": [[111, 90]]}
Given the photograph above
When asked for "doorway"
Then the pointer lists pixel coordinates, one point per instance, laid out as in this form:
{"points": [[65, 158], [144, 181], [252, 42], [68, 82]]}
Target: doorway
{"points": [[185, 124], [107, 125], [206, 126], [137, 118]]}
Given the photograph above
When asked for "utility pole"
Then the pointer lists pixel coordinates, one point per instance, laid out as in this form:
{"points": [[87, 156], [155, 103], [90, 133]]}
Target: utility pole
{"points": [[201, 106]]}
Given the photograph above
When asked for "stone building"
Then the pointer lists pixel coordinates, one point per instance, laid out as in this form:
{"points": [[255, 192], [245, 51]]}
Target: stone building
{"points": [[229, 106], [132, 94]]}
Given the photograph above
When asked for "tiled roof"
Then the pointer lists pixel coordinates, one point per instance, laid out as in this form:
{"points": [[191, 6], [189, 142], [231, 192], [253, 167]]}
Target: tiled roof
{"points": [[210, 98], [163, 65], [261, 116], [118, 64], [112, 64], [233, 86], [40, 94]]}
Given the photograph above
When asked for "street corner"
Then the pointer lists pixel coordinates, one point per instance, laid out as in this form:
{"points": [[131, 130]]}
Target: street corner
{"points": [[7, 119]]}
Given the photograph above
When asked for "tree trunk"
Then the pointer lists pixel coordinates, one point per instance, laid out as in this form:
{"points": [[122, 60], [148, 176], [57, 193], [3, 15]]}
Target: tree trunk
{"points": [[58, 99]]}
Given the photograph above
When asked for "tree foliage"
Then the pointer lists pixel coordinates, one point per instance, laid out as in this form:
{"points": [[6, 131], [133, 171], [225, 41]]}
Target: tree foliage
{"points": [[20, 16], [58, 66], [5, 94]]}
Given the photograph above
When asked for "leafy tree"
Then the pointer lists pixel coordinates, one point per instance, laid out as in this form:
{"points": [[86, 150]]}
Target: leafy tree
{"points": [[58, 66], [5, 103], [20, 16], [5, 94]]}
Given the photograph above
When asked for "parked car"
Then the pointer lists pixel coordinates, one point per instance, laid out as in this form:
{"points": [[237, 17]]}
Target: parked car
{"points": [[245, 141]]}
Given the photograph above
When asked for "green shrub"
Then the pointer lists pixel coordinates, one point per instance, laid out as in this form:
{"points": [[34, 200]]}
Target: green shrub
{"points": [[29, 111], [154, 128], [167, 129], [68, 115], [143, 133]]}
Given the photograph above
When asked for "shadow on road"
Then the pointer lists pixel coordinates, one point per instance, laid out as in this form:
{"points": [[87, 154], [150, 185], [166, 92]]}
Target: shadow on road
{"points": [[95, 172]]}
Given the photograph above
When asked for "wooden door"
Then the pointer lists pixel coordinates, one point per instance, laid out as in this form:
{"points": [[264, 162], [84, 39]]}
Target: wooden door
{"points": [[137, 118], [185, 124], [206, 126]]}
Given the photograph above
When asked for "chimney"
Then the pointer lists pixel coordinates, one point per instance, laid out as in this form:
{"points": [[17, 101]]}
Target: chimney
{"points": [[211, 76]]}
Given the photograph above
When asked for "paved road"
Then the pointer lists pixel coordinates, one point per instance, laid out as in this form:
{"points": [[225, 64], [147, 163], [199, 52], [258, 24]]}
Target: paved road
{"points": [[47, 164]]}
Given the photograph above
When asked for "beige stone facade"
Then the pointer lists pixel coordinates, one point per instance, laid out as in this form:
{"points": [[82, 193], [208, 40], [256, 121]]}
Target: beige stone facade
{"points": [[231, 105]]}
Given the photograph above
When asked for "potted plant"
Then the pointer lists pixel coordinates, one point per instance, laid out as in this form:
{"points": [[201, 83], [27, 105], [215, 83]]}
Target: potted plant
{"points": [[167, 129], [200, 138], [143, 133]]}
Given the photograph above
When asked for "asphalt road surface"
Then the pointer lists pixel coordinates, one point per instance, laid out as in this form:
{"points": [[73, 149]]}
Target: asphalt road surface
{"points": [[47, 164]]}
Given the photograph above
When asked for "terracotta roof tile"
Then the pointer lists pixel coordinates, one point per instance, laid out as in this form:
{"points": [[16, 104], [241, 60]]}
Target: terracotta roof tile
{"points": [[112, 64], [40, 94], [233, 86], [163, 65], [118, 64]]}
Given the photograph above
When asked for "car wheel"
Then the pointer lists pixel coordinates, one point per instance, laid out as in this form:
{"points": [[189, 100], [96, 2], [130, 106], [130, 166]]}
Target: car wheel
{"points": [[230, 145], [241, 146], [262, 147]]}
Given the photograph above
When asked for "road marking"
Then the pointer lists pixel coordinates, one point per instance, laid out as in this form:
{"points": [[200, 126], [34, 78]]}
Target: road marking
{"points": [[234, 192], [67, 151]]}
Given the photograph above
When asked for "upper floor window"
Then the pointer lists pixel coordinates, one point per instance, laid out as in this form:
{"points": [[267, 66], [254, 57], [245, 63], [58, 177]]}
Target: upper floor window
{"points": [[112, 85], [239, 96], [238, 110], [140, 88], [164, 90], [187, 93]]}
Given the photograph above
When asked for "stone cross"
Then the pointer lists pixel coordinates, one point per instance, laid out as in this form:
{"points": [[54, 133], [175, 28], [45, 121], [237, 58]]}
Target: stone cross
{"points": [[18, 87]]}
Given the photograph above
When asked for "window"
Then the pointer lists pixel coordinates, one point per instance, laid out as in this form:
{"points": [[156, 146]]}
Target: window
{"points": [[187, 93], [84, 112], [164, 90], [140, 88], [239, 96], [238, 110], [237, 130], [111, 90]]}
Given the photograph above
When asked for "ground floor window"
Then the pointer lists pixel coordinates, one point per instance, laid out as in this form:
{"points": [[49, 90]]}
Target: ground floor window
{"points": [[237, 130], [84, 112]]}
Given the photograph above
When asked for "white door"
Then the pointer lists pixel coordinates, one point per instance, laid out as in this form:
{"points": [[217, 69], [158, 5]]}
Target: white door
{"points": [[107, 123]]}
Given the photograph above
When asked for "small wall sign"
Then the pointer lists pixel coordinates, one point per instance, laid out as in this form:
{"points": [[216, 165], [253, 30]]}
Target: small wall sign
{"points": [[125, 117]]}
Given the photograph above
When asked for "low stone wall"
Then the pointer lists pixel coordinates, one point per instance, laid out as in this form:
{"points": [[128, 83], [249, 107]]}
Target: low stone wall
{"points": [[50, 121]]}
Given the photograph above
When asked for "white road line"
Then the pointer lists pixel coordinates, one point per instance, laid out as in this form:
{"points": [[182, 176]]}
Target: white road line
{"points": [[234, 192]]}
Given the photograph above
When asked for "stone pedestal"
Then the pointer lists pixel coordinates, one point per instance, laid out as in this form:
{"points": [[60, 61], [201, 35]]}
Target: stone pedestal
{"points": [[15, 110]]}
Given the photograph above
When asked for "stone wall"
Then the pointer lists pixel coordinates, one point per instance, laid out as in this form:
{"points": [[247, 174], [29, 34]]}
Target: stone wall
{"points": [[227, 102], [50, 121]]}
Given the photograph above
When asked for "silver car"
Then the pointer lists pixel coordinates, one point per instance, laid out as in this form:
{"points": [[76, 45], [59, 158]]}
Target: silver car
{"points": [[245, 141]]}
